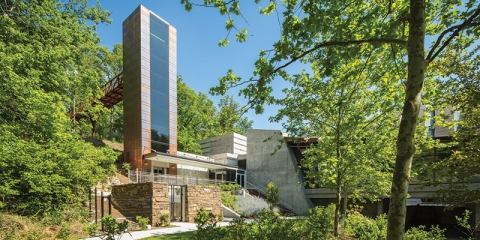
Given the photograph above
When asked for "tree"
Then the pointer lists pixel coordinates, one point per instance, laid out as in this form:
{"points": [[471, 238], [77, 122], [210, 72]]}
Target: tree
{"points": [[461, 91], [47, 50], [110, 124], [351, 110], [272, 195], [399, 23], [199, 119], [196, 117]]}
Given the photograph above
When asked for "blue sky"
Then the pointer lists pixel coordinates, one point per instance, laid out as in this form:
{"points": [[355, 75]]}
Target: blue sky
{"points": [[200, 60]]}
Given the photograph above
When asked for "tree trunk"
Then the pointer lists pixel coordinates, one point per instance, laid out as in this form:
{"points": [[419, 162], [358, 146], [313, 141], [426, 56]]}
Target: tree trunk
{"points": [[338, 202], [408, 123]]}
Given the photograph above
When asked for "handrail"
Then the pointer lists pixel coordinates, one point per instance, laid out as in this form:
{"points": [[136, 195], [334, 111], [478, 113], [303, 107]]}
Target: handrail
{"points": [[280, 201], [142, 177]]}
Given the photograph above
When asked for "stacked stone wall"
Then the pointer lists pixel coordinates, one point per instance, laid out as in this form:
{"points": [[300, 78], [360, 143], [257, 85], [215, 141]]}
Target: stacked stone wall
{"points": [[151, 200], [141, 199], [161, 203], [197, 197]]}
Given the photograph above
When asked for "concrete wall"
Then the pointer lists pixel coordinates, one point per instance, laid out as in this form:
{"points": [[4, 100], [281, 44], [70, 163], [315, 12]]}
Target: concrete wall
{"points": [[228, 143], [226, 158], [263, 168], [197, 197]]}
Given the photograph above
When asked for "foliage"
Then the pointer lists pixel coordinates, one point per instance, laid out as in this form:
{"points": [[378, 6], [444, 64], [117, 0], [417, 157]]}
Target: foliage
{"points": [[110, 123], [351, 109], [207, 226], [113, 228], [91, 228], [320, 222], [165, 219], [44, 163], [35, 178], [230, 187], [361, 227], [35, 227], [465, 226], [174, 236], [397, 27], [199, 118], [249, 206], [126, 166], [228, 199], [460, 90], [272, 195], [142, 222], [419, 233], [228, 193]]}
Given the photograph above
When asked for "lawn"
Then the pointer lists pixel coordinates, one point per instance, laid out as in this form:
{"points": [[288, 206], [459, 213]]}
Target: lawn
{"points": [[173, 236]]}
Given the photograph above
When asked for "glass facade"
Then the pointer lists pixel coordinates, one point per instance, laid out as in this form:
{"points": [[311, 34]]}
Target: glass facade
{"points": [[159, 84]]}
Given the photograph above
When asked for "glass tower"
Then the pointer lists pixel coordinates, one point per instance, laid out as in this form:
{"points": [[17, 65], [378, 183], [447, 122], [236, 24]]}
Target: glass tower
{"points": [[150, 86]]}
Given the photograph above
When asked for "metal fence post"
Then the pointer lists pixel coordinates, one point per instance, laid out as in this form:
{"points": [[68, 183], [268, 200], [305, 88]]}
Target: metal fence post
{"points": [[101, 203], [136, 174], [96, 206], [110, 204]]}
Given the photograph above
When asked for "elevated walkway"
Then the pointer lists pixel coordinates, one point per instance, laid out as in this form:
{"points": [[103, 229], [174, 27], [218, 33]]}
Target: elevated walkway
{"points": [[113, 94]]}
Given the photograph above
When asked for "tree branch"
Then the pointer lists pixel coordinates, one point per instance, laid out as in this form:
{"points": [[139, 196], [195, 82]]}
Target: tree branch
{"points": [[402, 43], [456, 30]]}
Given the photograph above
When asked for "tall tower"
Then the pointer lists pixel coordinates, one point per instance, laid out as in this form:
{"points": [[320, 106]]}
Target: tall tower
{"points": [[150, 86]]}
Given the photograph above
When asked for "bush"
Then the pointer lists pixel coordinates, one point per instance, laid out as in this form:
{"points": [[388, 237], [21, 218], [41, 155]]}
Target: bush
{"points": [[165, 219], [207, 226], [249, 206], [142, 222], [18, 227], [228, 193], [228, 199], [419, 233], [91, 229], [112, 228], [361, 227], [320, 222], [272, 195]]}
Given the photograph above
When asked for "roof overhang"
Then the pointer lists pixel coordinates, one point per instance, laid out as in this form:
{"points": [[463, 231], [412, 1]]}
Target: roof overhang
{"points": [[168, 158]]}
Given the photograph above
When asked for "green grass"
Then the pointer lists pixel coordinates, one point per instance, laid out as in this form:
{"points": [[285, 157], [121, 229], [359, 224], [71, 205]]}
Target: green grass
{"points": [[173, 236]]}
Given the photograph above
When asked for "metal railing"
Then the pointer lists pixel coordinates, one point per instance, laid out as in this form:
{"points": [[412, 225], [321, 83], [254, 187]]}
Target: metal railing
{"points": [[143, 177], [280, 202]]}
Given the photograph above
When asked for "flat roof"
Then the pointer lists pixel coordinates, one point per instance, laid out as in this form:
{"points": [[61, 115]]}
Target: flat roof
{"points": [[168, 158]]}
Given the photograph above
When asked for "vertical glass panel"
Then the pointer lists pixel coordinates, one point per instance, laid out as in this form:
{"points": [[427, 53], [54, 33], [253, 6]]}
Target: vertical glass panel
{"points": [[159, 89]]}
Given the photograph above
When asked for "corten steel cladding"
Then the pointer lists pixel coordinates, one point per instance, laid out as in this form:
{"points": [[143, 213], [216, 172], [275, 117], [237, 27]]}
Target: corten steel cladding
{"points": [[149, 88]]}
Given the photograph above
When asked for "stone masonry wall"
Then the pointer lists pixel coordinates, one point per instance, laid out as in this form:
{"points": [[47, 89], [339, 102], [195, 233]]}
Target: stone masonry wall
{"points": [[161, 203], [197, 197], [141, 199]]}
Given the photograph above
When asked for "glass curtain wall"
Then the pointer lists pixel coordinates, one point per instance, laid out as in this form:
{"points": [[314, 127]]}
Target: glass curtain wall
{"points": [[159, 95]]}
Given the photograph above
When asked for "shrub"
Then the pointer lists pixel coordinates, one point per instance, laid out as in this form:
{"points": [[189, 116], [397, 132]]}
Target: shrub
{"points": [[382, 222], [112, 228], [361, 227], [228, 199], [228, 193], [142, 222], [126, 166], [18, 227], [165, 219], [91, 229], [419, 233], [320, 222], [249, 206], [207, 226], [230, 188], [272, 195]]}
